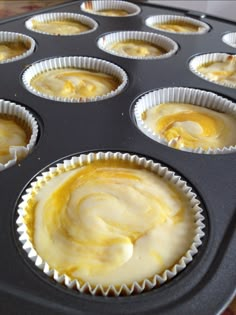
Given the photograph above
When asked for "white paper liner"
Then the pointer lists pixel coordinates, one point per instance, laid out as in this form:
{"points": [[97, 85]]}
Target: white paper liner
{"points": [[183, 95], [207, 58], [60, 16], [160, 19], [19, 112], [230, 39], [162, 41], [146, 284], [83, 63], [17, 37], [94, 6]]}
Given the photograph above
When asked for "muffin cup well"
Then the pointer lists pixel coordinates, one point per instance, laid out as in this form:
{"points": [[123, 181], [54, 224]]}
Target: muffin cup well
{"points": [[61, 16], [200, 60], [161, 41], [26, 119], [230, 39], [17, 37], [124, 289], [94, 6], [182, 95], [160, 19], [82, 63]]}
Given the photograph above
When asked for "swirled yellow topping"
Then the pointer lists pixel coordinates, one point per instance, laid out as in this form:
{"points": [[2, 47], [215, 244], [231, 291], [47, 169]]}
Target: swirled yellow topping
{"points": [[137, 48], [220, 71], [74, 83], [62, 27], [9, 50], [114, 12], [11, 135], [178, 27], [191, 126], [110, 222]]}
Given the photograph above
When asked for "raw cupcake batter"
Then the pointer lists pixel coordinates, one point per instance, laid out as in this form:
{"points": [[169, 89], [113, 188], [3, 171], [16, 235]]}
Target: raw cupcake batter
{"points": [[178, 27], [9, 50], [191, 126], [63, 27], [137, 48], [220, 71], [74, 83], [11, 135], [110, 222]]}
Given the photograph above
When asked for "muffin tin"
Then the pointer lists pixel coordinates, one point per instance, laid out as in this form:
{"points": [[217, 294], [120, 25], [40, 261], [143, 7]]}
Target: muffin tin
{"points": [[68, 129]]}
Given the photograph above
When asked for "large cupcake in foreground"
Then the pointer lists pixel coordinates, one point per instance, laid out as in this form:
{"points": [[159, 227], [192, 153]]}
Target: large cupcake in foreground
{"points": [[110, 223]]}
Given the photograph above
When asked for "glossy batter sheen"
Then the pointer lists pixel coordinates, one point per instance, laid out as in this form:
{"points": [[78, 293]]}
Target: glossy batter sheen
{"points": [[191, 126], [178, 27], [220, 71], [110, 222], [64, 27], [10, 50], [74, 83], [11, 135], [113, 12], [137, 48]]}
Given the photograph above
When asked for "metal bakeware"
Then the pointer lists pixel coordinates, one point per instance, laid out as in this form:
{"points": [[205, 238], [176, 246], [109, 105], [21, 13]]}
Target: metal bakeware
{"points": [[208, 282]]}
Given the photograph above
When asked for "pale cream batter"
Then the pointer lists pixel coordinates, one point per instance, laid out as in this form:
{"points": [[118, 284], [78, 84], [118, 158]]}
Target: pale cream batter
{"points": [[191, 126]]}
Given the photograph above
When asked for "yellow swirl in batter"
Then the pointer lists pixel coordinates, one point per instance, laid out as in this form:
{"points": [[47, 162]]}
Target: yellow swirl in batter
{"points": [[110, 222], [178, 27], [9, 50], [114, 12], [220, 71], [191, 126], [62, 27], [74, 83], [137, 48], [11, 135]]}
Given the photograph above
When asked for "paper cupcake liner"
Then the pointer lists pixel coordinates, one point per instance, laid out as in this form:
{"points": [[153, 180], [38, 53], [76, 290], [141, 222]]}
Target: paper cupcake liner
{"points": [[26, 118], [208, 58], [230, 39], [124, 289], [94, 6], [60, 16], [17, 37], [162, 41], [182, 95], [84, 63], [160, 19]]}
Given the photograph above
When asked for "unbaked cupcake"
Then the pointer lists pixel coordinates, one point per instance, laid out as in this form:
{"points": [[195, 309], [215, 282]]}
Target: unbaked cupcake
{"points": [[75, 79], [219, 68], [110, 8], [15, 46], [18, 133], [177, 24], [110, 223], [61, 23], [188, 119], [138, 45]]}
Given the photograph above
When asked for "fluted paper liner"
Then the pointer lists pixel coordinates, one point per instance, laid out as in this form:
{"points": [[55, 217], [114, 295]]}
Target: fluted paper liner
{"points": [[230, 39], [124, 289], [161, 41], [94, 6], [20, 114], [61, 16], [200, 60], [160, 19], [82, 63], [182, 95], [17, 37]]}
